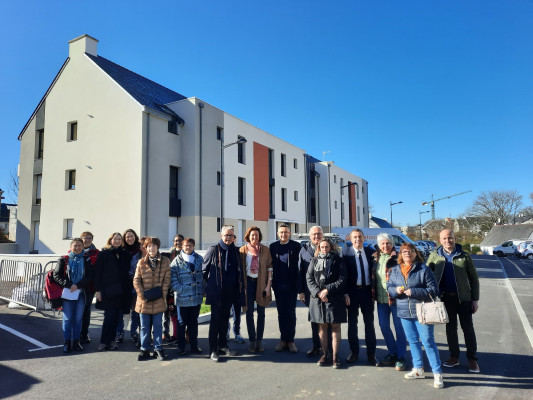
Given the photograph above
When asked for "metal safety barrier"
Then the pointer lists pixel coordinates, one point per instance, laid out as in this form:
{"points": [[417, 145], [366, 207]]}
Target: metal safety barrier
{"points": [[22, 282]]}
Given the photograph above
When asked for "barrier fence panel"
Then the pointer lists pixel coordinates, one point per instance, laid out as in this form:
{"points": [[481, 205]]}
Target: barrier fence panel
{"points": [[22, 282]]}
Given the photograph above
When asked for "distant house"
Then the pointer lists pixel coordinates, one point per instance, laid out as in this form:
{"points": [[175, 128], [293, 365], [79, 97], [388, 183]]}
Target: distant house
{"points": [[8, 220], [501, 233], [376, 222]]}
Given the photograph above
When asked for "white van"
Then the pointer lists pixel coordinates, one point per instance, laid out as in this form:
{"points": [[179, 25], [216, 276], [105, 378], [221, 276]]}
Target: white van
{"points": [[371, 235]]}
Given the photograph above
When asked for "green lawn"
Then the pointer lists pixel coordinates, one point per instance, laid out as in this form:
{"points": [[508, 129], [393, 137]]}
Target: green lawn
{"points": [[204, 309]]}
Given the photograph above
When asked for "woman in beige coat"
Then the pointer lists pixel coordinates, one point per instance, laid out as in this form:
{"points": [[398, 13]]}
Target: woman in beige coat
{"points": [[257, 284], [152, 279]]}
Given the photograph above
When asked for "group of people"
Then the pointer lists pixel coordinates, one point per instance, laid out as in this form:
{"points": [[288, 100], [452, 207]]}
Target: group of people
{"points": [[131, 280], [334, 285]]}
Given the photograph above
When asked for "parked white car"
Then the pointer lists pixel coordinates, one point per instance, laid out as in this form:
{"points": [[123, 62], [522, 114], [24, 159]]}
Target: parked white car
{"points": [[506, 248], [529, 252], [521, 248]]}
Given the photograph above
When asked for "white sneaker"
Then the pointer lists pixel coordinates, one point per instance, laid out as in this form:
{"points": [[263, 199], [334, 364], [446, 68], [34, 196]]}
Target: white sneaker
{"points": [[416, 373], [438, 383]]}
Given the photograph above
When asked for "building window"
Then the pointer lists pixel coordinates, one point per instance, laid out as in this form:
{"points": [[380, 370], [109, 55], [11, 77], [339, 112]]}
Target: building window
{"points": [[334, 178], [173, 183], [271, 203], [219, 133], [358, 214], [363, 189], [173, 126], [283, 164], [296, 228], [174, 203], [218, 224], [283, 199], [270, 163], [72, 131], [67, 228], [295, 165], [357, 190], [242, 191], [39, 138], [38, 181], [70, 181], [240, 152], [219, 178], [295, 195], [335, 204]]}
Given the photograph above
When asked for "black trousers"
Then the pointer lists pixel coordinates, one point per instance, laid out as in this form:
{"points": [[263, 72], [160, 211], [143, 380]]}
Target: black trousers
{"points": [[463, 310], [86, 320], [362, 299], [220, 313], [109, 326], [188, 319]]}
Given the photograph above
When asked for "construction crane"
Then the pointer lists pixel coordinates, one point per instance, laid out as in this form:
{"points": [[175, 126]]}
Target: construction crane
{"points": [[432, 202]]}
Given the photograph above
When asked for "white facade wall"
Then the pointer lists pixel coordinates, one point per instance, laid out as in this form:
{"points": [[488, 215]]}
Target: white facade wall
{"points": [[105, 156], [329, 202]]}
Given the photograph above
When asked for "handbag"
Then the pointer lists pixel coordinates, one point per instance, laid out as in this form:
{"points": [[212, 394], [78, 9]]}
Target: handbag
{"points": [[431, 313], [156, 292], [153, 294]]}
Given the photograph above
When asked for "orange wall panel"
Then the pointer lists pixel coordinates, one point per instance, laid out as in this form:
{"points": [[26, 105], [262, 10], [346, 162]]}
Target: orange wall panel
{"points": [[261, 209]]}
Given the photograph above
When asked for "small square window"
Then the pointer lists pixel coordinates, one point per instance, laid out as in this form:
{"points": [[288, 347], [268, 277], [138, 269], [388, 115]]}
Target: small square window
{"points": [[68, 225], [72, 131], [335, 204], [295, 163], [334, 178], [70, 181], [173, 126], [295, 195]]}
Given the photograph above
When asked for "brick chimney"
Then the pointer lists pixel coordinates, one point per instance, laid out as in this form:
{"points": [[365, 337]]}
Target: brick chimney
{"points": [[82, 44]]}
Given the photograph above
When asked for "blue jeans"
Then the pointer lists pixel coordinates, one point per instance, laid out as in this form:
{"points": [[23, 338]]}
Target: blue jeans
{"points": [[250, 300], [154, 321], [72, 317], [417, 332], [396, 347]]}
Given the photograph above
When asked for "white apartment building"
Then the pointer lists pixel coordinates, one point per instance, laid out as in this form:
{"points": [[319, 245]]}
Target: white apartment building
{"points": [[107, 149]]}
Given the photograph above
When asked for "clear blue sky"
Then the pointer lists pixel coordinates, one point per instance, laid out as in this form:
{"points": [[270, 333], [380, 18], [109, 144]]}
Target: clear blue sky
{"points": [[418, 97]]}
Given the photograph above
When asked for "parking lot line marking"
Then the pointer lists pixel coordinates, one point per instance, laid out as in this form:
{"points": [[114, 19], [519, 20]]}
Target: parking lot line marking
{"points": [[519, 309], [517, 267], [41, 345]]}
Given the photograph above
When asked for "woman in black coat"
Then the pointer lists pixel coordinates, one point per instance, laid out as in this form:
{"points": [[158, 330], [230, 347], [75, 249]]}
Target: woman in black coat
{"points": [[326, 278], [113, 293]]}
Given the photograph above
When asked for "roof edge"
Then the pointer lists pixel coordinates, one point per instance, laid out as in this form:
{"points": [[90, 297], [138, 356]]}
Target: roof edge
{"points": [[43, 98]]}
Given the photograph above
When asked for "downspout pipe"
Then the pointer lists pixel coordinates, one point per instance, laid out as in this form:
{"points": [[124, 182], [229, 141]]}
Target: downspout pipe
{"points": [[200, 238]]}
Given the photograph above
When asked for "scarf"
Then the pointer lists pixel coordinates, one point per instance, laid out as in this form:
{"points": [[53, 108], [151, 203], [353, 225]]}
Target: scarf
{"points": [[322, 267], [132, 249], [255, 251], [88, 249], [405, 268], [187, 257], [75, 264], [227, 249], [153, 262]]}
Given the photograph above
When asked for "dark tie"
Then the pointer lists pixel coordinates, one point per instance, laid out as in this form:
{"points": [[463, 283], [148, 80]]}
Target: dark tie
{"points": [[362, 269]]}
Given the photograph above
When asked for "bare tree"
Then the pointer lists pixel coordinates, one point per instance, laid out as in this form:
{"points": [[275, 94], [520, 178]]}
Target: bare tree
{"points": [[497, 206], [13, 189]]}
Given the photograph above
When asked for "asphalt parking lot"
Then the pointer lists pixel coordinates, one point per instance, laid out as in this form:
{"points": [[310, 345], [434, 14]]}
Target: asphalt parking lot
{"points": [[34, 367]]}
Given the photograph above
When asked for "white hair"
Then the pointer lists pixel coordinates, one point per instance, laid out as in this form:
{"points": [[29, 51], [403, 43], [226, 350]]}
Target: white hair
{"points": [[317, 227], [385, 236]]}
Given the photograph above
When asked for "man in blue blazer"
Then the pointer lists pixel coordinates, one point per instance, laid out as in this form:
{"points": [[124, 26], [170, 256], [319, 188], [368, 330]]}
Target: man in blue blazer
{"points": [[359, 295]]}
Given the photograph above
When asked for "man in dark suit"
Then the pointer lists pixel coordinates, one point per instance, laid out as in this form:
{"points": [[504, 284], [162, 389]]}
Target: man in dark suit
{"points": [[286, 285], [359, 295]]}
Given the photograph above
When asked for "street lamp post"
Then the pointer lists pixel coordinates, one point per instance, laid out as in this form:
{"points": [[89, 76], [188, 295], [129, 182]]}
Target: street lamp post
{"points": [[420, 215], [342, 187], [392, 204], [223, 146]]}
